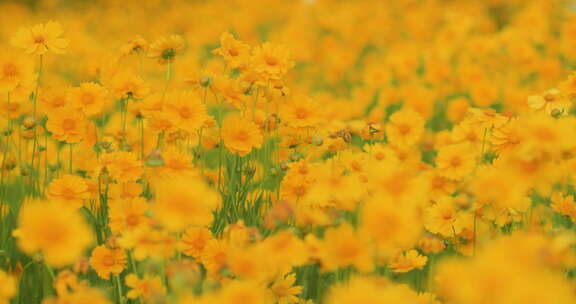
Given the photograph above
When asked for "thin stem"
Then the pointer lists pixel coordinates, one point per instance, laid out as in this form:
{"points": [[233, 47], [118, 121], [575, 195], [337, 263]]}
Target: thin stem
{"points": [[70, 159], [119, 284]]}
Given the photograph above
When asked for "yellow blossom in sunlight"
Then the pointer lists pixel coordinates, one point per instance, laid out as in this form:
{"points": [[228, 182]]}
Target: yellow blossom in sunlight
{"points": [[408, 261], [41, 38], [165, 49]]}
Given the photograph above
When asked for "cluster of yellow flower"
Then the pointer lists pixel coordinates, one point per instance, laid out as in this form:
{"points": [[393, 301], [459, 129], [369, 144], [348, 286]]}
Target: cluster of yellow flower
{"points": [[342, 152]]}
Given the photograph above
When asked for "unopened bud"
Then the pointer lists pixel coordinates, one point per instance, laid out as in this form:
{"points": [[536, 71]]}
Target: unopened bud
{"points": [[29, 122], [317, 140], [155, 158], [205, 81]]}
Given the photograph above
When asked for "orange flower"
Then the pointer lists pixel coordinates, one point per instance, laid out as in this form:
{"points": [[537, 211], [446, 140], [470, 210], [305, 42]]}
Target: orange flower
{"points": [[185, 202], [186, 110], [150, 288], [302, 112], [138, 44], [455, 161], [126, 85], [128, 215], [405, 128], [90, 98], [60, 233], [38, 39], [241, 135], [234, 52], [165, 49], [123, 166], [70, 189], [408, 261], [194, 240], [342, 247], [15, 71], [108, 261], [67, 125], [271, 61]]}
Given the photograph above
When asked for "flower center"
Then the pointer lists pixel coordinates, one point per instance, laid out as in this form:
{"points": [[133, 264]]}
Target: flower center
{"points": [[108, 261], [271, 61], [455, 162], [168, 54], [10, 70], [88, 99], [132, 220], [68, 124], [404, 129], [233, 52], [185, 113], [242, 136], [39, 39]]}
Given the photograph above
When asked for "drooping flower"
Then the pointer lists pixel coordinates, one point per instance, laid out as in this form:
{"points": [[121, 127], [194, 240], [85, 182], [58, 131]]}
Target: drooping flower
{"points": [[165, 49]]}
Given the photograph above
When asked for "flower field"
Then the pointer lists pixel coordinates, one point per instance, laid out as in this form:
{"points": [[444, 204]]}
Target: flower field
{"points": [[288, 151]]}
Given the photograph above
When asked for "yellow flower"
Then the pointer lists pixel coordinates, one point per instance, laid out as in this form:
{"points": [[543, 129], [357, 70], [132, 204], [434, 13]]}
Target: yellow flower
{"points": [[241, 292], [284, 291], [67, 125], [165, 49], [108, 261], [301, 112], [60, 233], [408, 261], [235, 53], [215, 257], [126, 85], [405, 128], [271, 61], [69, 189], [138, 44], [15, 71], [90, 98], [342, 247], [7, 287], [186, 110], [127, 215], [564, 205], [38, 39], [185, 202], [122, 166], [455, 161], [443, 218], [149, 288], [550, 102], [194, 240], [241, 135]]}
